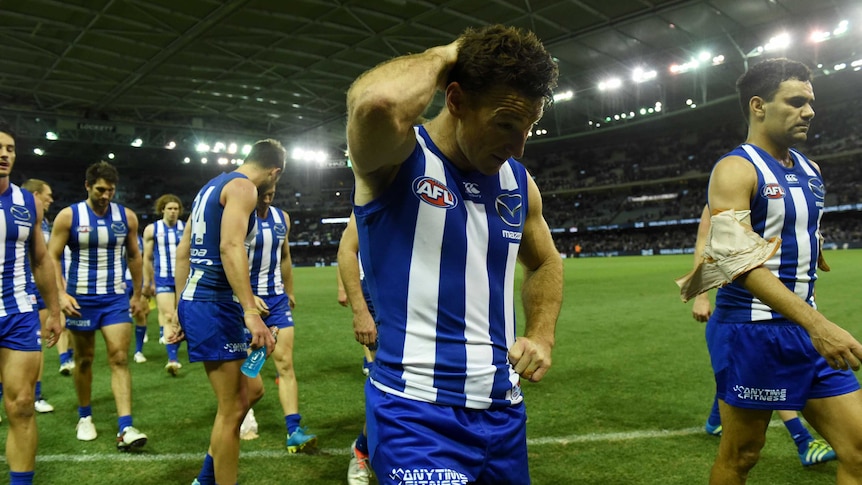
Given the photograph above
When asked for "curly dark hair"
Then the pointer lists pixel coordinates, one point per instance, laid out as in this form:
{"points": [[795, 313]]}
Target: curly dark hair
{"points": [[166, 199], [497, 55], [763, 79], [102, 170]]}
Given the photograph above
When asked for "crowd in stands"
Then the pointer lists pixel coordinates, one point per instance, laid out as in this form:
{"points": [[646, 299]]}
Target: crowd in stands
{"points": [[589, 189]]}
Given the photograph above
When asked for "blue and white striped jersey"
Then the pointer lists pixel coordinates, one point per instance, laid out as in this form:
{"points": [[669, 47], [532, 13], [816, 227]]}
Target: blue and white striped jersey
{"points": [[97, 242], [264, 254], [788, 204], [439, 248], [18, 209], [207, 280], [165, 240]]}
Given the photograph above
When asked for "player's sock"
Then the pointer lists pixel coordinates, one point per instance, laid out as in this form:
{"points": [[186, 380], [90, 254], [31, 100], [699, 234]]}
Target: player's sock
{"points": [[84, 411], [1, 390], [800, 435], [38, 390], [172, 351], [292, 422], [714, 418], [362, 443], [207, 474], [161, 332], [139, 338], [124, 421], [21, 478], [66, 356]]}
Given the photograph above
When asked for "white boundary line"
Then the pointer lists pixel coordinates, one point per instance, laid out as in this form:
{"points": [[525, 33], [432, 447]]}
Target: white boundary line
{"points": [[345, 451]]}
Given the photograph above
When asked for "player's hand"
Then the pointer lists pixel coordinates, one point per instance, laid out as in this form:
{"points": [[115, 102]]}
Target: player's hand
{"points": [[52, 329], [173, 330], [140, 307], [837, 346], [342, 296], [531, 358], [261, 336], [291, 300], [69, 305], [261, 306], [701, 309], [364, 328], [149, 290]]}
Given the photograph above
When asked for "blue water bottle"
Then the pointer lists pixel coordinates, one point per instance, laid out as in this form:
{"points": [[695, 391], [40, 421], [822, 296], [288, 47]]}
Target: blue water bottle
{"points": [[255, 360]]}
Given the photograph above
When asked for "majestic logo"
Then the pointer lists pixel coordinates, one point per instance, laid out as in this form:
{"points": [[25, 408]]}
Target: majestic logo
{"points": [[772, 191], [119, 227], [791, 178], [509, 209], [280, 230], [471, 188], [434, 192], [20, 212], [817, 188]]}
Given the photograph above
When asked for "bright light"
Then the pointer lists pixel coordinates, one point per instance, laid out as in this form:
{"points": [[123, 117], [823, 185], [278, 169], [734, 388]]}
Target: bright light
{"points": [[111, 156], [222, 161], [171, 145], [719, 59], [704, 56], [623, 116], [137, 142], [780, 41], [841, 29], [681, 68], [631, 114], [231, 148], [612, 83], [246, 149], [617, 117], [38, 151], [818, 36], [840, 67], [692, 105], [204, 160], [219, 147], [564, 96], [305, 155], [187, 160], [688, 102], [639, 75], [643, 111], [202, 148], [51, 135], [856, 63]]}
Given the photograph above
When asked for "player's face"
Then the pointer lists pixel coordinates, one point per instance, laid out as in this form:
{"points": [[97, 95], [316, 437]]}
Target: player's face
{"points": [[7, 154], [171, 212], [46, 197], [265, 199], [788, 115], [100, 194], [495, 127]]}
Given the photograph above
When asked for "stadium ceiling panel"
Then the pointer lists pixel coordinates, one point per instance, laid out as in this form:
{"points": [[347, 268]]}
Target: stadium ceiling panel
{"points": [[282, 67]]}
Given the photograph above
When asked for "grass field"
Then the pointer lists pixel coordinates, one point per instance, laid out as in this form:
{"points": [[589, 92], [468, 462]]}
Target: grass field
{"points": [[624, 403]]}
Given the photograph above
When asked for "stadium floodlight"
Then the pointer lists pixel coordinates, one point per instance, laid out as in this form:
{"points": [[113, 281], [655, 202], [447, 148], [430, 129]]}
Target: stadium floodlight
{"points": [[171, 145], [222, 161], [692, 105], [684, 67], [187, 160], [856, 63], [612, 83], [137, 142], [640, 75], [219, 147], [564, 96], [204, 160], [779, 42], [306, 155], [232, 148], [688, 102], [704, 56], [840, 67], [617, 117], [842, 28], [717, 60], [651, 110], [246, 149], [623, 115], [202, 147], [38, 151], [111, 156], [51, 136], [631, 114], [820, 36]]}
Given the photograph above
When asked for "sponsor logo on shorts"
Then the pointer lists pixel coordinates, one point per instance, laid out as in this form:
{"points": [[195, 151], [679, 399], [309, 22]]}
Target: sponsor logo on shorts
{"points": [[236, 347], [757, 394], [434, 192], [77, 322], [772, 191], [428, 476]]}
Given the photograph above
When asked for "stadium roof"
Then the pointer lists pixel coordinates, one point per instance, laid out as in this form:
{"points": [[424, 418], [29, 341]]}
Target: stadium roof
{"points": [[282, 67]]}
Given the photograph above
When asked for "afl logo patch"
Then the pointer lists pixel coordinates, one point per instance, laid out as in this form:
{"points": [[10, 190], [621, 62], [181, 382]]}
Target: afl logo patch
{"points": [[20, 213], [118, 227], [509, 209], [817, 188], [772, 191], [434, 192]]}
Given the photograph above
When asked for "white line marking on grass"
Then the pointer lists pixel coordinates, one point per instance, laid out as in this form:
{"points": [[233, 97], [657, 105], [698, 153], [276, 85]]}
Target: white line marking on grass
{"points": [[345, 451]]}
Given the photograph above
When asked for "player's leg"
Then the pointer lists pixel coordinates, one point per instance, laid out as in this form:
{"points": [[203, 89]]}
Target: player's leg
{"points": [[288, 393], [811, 451], [19, 370], [839, 420], [40, 404], [166, 302], [231, 390], [141, 333], [743, 436], [65, 352], [117, 340]]}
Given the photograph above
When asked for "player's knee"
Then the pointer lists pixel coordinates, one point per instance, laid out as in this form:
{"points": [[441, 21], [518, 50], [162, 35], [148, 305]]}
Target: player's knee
{"points": [[118, 359], [21, 407]]}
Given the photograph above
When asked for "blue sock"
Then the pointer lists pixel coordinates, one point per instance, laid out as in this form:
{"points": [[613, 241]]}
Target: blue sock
{"points": [[38, 390], [207, 474], [124, 421], [84, 411], [292, 422], [66, 356], [362, 443], [161, 332], [1, 390], [800, 435], [172, 351], [139, 338], [21, 478], [714, 418]]}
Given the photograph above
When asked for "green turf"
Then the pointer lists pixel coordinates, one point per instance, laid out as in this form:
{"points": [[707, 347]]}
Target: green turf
{"points": [[629, 359]]}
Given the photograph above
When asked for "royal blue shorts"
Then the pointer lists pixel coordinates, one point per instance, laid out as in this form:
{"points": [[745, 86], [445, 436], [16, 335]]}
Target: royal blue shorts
{"points": [[99, 311], [214, 330], [279, 311], [165, 285], [166, 289], [21, 331], [771, 366], [415, 442]]}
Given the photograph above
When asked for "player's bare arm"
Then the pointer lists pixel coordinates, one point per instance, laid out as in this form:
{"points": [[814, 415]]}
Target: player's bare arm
{"points": [[287, 262], [45, 275], [58, 240], [541, 292], [134, 260], [364, 328], [149, 270], [173, 329]]}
